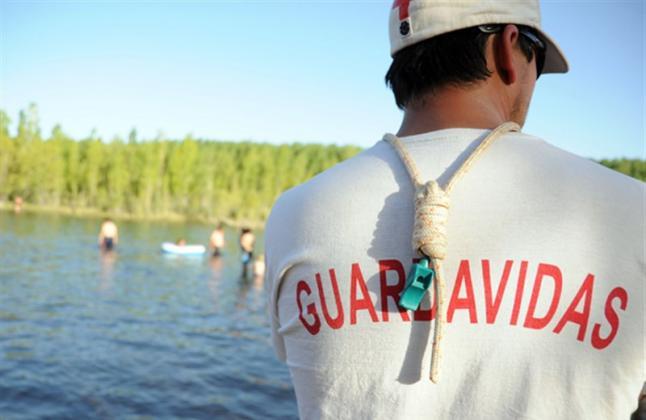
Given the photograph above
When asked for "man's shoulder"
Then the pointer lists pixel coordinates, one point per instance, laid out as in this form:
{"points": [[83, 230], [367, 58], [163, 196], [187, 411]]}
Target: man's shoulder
{"points": [[555, 165]]}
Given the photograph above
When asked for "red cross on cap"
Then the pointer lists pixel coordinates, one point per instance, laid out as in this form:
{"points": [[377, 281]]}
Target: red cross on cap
{"points": [[403, 8]]}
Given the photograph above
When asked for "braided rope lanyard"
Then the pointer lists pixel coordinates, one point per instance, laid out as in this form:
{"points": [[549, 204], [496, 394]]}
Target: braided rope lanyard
{"points": [[431, 216]]}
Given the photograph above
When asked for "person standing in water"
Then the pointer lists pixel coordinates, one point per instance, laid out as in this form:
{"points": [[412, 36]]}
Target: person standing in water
{"points": [[247, 242], [216, 241], [108, 235]]}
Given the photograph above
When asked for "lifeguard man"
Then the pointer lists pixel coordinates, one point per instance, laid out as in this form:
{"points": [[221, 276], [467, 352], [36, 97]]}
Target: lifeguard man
{"points": [[528, 260]]}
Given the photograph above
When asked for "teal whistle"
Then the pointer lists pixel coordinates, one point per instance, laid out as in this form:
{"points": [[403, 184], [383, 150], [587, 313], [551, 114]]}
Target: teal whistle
{"points": [[418, 281]]}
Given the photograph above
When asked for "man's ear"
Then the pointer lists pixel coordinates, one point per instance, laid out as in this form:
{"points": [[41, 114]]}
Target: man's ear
{"points": [[504, 45]]}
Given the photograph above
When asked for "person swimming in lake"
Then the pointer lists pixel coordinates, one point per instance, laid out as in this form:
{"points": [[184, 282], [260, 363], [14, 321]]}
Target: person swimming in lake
{"points": [[108, 235], [216, 240], [247, 242]]}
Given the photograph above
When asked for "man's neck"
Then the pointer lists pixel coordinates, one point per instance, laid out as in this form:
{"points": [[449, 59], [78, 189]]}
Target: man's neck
{"points": [[454, 107]]}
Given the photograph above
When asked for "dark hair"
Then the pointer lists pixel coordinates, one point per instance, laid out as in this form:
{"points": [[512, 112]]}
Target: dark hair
{"points": [[454, 58]]}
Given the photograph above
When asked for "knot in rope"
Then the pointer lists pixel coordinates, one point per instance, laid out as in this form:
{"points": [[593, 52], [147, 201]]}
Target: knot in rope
{"points": [[431, 217]]}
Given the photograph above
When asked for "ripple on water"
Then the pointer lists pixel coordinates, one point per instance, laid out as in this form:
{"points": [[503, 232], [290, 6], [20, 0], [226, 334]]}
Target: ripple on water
{"points": [[130, 334]]}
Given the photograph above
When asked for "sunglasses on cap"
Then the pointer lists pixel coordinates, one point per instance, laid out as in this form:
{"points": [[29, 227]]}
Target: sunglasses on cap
{"points": [[537, 44]]}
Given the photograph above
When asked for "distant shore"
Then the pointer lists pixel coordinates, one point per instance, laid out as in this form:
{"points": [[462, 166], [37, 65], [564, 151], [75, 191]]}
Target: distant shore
{"points": [[88, 212]]}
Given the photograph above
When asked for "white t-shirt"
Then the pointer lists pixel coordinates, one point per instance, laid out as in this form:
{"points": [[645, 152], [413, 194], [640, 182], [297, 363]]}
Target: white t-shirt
{"points": [[544, 286]]}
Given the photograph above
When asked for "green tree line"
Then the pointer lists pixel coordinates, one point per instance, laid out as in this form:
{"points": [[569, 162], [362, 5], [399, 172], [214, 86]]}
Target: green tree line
{"points": [[631, 167], [233, 181], [194, 178]]}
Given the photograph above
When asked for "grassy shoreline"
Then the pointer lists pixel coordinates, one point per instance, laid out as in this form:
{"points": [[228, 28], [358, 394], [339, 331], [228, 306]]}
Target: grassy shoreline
{"points": [[93, 213]]}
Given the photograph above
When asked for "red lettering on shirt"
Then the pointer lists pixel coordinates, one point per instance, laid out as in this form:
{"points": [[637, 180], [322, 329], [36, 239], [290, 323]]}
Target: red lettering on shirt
{"points": [[314, 327], [544, 270], [520, 288], [611, 315], [491, 308], [311, 304], [428, 314], [574, 316], [356, 279], [391, 291], [334, 323], [469, 302]]}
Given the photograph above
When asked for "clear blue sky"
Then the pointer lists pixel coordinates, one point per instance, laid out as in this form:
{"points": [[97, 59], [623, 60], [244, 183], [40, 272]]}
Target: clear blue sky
{"points": [[284, 71]]}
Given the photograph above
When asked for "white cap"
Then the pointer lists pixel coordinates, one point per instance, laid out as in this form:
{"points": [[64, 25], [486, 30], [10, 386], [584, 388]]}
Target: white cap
{"points": [[412, 21]]}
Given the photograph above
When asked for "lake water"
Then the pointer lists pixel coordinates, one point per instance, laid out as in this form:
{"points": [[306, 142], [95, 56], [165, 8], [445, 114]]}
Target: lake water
{"points": [[134, 333]]}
